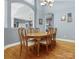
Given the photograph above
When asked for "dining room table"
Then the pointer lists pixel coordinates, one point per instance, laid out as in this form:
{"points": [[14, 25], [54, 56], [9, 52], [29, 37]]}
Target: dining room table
{"points": [[37, 36]]}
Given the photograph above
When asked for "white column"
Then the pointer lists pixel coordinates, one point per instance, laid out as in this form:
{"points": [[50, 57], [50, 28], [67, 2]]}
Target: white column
{"points": [[5, 21], [8, 13], [35, 13]]}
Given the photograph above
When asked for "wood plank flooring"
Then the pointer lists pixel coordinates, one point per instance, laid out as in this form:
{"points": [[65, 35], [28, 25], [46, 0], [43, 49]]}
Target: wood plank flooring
{"points": [[63, 50]]}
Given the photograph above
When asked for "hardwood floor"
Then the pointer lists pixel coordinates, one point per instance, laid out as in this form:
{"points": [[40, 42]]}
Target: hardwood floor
{"points": [[63, 50]]}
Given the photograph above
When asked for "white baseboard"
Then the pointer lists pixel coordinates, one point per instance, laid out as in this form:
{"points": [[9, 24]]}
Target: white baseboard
{"points": [[67, 40], [11, 45], [17, 43]]}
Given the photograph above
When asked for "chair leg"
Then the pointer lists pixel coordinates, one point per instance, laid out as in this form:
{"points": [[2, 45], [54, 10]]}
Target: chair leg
{"points": [[51, 44], [47, 48], [20, 49], [38, 47], [27, 48], [22, 44]]}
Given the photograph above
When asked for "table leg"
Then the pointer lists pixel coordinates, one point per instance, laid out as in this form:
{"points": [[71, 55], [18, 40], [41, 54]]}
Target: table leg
{"points": [[38, 47]]}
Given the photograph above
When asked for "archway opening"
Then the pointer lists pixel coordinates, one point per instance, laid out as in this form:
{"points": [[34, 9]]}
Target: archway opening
{"points": [[21, 15]]}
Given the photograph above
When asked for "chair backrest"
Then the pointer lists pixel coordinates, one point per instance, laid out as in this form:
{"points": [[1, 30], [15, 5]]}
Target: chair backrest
{"points": [[23, 33], [50, 30], [54, 35], [37, 29], [53, 32], [30, 30], [20, 34], [49, 38]]}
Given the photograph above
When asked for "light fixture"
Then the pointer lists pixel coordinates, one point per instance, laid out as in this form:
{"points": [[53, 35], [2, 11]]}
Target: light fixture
{"points": [[47, 2]]}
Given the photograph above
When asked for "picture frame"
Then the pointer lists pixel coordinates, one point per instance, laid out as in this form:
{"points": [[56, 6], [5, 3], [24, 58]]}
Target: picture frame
{"points": [[40, 21], [50, 19], [63, 18], [69, 17]]}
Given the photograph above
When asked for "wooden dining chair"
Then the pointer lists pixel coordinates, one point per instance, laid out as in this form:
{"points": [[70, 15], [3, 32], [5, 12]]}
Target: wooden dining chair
{"points": [[46, 40], [28, 42], [54, 37], [55, 32], [22, 41]]}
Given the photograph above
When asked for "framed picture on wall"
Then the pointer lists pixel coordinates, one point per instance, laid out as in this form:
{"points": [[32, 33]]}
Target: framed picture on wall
{"points": [[69, 17], [40, 21], [50, 19], [63, 18]]}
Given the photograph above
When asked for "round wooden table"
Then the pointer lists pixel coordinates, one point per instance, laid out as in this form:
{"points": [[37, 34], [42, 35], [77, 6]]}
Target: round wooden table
{"points": [[37, 36]]}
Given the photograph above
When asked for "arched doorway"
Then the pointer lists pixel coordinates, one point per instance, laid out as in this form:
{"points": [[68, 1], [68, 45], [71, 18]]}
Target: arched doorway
{"points": [[23, 12]]}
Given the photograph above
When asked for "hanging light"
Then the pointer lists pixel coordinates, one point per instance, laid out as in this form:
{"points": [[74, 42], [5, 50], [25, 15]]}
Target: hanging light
{"points": [[43, 3], [47, 2], [50, 5]]}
